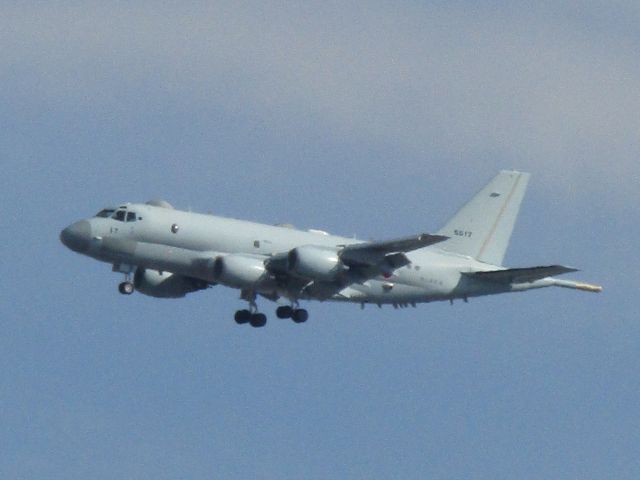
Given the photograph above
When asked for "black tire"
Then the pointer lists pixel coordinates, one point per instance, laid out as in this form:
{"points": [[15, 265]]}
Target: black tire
{"points": [[300, 315], [242, 316], [258, 320], [284, 311], [126, 288]]}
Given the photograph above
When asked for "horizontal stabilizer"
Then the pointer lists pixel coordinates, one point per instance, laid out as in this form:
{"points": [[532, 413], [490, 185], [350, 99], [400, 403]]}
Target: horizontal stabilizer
{"points": [[521, 275]]}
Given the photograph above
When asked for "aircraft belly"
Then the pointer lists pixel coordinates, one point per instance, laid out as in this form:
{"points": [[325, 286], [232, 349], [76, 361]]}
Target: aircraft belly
{"points": [[173, 259], [382, 292]]}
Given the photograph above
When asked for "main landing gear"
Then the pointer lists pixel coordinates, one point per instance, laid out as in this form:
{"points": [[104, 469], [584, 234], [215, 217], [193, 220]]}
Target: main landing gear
{"points": [[298, 315], [256, 319], [250, 316]]}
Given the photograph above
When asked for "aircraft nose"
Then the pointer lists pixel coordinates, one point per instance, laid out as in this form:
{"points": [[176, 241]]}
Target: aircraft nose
{"points": [[77, 236]]}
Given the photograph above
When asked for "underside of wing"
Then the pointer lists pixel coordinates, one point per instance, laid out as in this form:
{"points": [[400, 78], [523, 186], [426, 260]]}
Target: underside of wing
{"points": [[521, 275]]}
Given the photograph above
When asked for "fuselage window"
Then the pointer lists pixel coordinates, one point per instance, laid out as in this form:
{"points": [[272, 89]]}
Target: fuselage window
{"points": [[120, 215], [131, 216], [106, 213]]}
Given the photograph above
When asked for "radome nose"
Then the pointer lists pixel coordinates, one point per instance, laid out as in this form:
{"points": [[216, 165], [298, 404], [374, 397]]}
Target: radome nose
{"points": [[77, 236]]}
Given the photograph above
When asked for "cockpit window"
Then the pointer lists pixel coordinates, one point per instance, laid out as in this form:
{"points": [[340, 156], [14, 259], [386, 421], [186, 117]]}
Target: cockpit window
{"points": [[131, 216], [106, 213], [120, 215]]}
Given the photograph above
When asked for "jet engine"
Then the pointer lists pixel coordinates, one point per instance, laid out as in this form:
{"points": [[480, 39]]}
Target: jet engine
{"points": [[164, 284], [240, 271], [316, 263]]}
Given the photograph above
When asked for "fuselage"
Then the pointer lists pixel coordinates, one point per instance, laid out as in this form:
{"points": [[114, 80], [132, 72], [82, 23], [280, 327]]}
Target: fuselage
{"points": [[187, 243]]}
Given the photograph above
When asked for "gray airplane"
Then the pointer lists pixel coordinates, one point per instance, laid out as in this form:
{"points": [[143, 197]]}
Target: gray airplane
{"points": [[167, 253]]}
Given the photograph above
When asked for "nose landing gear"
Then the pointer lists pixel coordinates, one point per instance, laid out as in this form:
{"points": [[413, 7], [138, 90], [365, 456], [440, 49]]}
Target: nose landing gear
{"points": [[126, 288]]}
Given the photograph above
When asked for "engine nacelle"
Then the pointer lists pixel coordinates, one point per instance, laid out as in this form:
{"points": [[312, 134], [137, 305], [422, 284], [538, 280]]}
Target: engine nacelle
{"points": [[240, 271], [316, 263], [165, 285]]}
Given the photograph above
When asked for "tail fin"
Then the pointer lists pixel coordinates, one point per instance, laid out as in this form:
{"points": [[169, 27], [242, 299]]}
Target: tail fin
{"points": [[482, 228]]}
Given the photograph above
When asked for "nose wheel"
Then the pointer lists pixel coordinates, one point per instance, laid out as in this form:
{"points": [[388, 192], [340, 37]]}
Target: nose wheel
{"points": [[126, 288]]}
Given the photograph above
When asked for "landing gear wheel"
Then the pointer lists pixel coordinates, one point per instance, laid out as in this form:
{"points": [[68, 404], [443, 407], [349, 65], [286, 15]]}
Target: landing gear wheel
{"points": [[284, 312], [258, 320], [300, 315], [126, 288], [242, 316]]}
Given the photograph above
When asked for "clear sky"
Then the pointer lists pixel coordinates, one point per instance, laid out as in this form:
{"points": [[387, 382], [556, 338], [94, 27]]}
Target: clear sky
{"points": [[375, 118]]}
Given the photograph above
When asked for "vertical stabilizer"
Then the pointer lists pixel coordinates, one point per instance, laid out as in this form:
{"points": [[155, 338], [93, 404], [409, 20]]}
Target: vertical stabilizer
{"points": [[482, 228]]}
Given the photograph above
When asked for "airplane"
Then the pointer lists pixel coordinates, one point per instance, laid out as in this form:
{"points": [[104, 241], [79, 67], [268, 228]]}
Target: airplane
{"points": [[167, 253]]}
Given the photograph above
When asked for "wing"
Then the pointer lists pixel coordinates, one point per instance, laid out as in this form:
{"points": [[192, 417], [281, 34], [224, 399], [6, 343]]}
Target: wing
{"points": [[521, 275], [368, 260], [375, 253]]}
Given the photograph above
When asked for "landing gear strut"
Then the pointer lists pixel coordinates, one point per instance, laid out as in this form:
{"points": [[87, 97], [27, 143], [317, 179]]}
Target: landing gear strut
{"points": [[256, 319], [126, 287]]}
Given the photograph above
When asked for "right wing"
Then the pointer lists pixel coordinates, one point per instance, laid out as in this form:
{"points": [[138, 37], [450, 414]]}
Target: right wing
{"points": [[386, 254], [363, 261], [371, 259]]}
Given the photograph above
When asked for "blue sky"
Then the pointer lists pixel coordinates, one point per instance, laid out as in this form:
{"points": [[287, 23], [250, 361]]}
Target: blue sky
{"points": [[352, 117]]}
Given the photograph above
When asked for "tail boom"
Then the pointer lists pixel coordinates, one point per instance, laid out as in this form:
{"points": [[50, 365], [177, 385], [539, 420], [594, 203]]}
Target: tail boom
{"points": [[585, 287]]}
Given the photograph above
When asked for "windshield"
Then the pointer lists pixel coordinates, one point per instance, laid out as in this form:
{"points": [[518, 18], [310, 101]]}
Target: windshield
{"points": [[106, 213], [124, 216]]}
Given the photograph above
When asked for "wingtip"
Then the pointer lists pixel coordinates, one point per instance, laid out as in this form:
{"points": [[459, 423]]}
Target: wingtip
{"points": [[432, 238]]}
